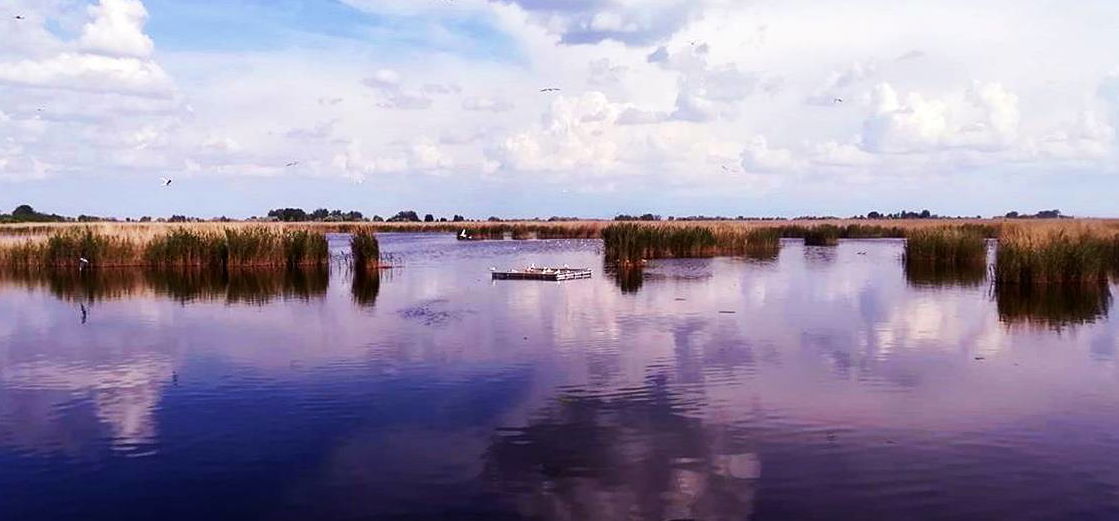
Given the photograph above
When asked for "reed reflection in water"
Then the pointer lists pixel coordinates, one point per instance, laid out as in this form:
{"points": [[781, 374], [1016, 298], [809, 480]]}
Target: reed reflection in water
{"points": [[234, 286]]}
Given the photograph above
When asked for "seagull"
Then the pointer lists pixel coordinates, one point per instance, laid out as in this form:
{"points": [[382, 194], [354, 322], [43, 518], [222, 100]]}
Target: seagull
{"points": [[291, 164], [166, 181], [19, 17], [838, 100], [83, 263], [550, 89]]}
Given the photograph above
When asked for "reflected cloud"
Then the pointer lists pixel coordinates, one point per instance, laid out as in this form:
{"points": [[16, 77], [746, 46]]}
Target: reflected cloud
{"points": [[622, 456]]}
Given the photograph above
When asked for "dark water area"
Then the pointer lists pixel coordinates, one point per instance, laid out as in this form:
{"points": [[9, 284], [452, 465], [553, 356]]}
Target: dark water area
{"points": [[825, 383]]}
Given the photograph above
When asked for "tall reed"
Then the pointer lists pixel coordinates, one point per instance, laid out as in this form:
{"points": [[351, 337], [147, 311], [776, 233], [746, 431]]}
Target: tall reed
{"points": [[175, 247], [1055, 256], [946, 246], [823, 235], [365, 250]]}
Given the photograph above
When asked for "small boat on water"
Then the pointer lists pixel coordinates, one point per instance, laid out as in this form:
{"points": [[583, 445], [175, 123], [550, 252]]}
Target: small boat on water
{"points": [[551, 274]]}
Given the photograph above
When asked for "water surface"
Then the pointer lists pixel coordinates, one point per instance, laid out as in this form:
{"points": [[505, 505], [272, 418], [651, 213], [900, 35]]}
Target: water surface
{"points": [[829, 383]]}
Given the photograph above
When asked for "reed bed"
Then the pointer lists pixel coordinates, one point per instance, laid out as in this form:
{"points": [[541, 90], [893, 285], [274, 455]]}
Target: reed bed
{"points": [[175, 247], [946, 246], [1064, 256], [632, 243], [365, 251], [823, 235]]}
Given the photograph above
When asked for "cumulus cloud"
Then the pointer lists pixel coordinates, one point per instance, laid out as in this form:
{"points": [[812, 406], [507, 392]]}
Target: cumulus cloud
{"points": [[758, 157], [912, 124], [117, 29], [986, 118], [90, 72], [575, 134]]}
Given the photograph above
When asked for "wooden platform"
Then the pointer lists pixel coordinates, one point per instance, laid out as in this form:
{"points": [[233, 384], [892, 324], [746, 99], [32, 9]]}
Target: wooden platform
{"points": [[552, 274]]}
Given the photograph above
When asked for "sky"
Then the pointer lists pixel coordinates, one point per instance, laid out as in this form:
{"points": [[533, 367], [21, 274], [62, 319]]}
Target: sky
{"points": [[675, 107]]}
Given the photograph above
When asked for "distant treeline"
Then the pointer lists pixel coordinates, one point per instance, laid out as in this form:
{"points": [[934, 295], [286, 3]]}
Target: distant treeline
{"points": [[27, 214], [1044, 214]]}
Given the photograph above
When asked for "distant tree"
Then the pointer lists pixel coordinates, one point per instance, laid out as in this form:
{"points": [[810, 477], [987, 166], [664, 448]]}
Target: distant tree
{"points": [[1012, 215], [458, 218], [429, 218], [320, 214], [177, 219], [442, 219], [494, 219], [378, 219], [874, 215], [146, 219], [354, 215], [405, 216], [1049, 214], [289, 214], [24, 210], [925, 214]]}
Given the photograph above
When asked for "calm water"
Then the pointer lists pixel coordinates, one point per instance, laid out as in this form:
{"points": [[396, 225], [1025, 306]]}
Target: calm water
{"points": [[826, 384]]}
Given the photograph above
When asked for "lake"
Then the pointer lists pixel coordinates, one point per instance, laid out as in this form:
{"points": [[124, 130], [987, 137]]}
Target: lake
{"points": [[826, 383]]}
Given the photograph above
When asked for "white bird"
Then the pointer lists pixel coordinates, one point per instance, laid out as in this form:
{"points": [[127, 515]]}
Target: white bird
{"points": [[83, 263], [166, 181]]}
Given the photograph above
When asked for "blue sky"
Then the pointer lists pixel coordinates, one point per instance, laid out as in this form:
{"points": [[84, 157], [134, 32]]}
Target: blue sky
{"points": [[674, 107]]}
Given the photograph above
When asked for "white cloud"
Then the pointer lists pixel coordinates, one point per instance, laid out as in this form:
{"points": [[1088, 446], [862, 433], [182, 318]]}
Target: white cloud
{"points": [[759, 157], [904, 126], [117, 29]]}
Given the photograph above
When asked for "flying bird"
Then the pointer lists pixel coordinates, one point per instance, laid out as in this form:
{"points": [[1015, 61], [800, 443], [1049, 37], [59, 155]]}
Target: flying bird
{"points": [[291, 164], [19, 17], [550, 89], [166, 181], [838, 100]]}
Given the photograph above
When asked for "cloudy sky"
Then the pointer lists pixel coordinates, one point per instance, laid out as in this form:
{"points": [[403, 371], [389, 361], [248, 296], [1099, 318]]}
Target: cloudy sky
{"points": [[679, 107]]}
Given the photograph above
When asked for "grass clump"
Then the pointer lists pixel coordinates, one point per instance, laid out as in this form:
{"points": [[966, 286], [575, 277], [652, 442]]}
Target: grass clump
{"points": [[305, 248], [631, 243], [365, 250], [823, 235], [1044, 257], [175, 247], [67, 248], [946, 256], [946, 246]]}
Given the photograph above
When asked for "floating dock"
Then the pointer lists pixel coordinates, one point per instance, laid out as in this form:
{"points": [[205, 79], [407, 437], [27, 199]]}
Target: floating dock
{"points": [[552, 274]]}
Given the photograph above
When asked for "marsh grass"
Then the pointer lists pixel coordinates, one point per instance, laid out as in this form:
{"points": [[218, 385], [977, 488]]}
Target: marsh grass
{"points": [[633, 243], [176, 247], [947, 247], [823, 235], [365, 251], [1070, 257]]}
